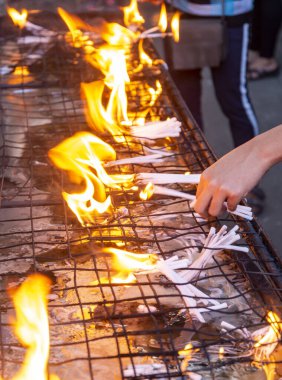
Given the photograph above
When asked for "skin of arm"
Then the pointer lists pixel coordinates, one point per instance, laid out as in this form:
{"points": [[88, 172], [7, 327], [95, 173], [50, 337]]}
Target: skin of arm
{"points": [[235, 174]]}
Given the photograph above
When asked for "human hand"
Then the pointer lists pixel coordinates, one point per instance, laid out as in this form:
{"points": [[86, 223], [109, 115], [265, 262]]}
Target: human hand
{"points": [[230, 178]]}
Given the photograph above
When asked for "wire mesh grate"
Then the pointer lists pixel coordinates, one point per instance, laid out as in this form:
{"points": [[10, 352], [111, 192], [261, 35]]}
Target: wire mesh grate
{"points": [[100, 328]]}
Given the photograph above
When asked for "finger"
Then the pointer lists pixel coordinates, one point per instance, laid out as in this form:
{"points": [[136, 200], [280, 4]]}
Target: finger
{"points": [[217, 203], [202, 203], [201, 186], [232, 202]]}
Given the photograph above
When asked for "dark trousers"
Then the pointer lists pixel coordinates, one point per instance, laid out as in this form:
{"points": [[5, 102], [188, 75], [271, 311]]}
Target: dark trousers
{"points": [[230, 87], [267, 18]]}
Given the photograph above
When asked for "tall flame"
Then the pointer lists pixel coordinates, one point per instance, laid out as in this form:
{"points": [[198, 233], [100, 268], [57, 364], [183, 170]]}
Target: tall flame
{"points": [[132, 15], [76, 26], [32, 328], [18, 18], [163, 19], [98, 118], [175, 22], [77, 155]]}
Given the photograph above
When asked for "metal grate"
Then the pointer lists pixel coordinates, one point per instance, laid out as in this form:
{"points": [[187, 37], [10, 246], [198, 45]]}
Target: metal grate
{"points": [[96, 329]]}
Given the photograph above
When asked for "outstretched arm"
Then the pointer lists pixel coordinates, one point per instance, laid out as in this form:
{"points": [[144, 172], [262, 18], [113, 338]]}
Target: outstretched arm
{"points": [[235, 174]]}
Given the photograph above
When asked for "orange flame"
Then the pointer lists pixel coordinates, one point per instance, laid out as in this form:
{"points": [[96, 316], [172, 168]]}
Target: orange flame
{"points": [[126, 261], [147, 192], [117, 35], [155, 93], [77, 155], [32, 328], [143, 56], [19, 19], [97, 116], [132, 15], [163, 19], [175, 21], [267, 343], [75, 26]]}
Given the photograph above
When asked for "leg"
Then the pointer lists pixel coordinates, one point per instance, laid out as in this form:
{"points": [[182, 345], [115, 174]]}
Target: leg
{"points": [[269, 21], [189, 85], [255, 42], [231, 86], [271, 18]]}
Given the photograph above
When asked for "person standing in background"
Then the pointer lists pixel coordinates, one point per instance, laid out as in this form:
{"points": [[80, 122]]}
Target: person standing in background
{"points": [[266, 23]]}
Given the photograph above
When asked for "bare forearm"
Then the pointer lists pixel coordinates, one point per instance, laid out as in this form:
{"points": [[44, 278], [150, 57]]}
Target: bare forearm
{"points": [[270, 145], [235, 174]]}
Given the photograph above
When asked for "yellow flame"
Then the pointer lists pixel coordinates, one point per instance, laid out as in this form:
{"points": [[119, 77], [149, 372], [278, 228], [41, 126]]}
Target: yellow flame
{"points": [[270, 370], [147, 192], [175, 21], [32, 328], [121, 278], [18, 18], [132, 15], [221, 353], [77, 155], [117, 35], [163, 19], [97, 116], [273, 334], [75, 26], [143, 56], [155, 93], [126, 261], [21, 71]]}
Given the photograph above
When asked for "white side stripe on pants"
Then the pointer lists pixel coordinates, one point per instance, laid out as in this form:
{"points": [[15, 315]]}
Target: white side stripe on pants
{"points": [[243, 86]]}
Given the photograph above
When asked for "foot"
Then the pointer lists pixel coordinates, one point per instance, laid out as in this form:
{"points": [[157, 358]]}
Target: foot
{"points": [[252, 56], [263, 67]]}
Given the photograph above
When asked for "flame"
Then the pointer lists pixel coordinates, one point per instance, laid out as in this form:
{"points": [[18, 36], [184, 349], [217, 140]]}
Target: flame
{"points": [[175, 21], [188, 352], [128, 261], [77, 155], [269, 339], [19, 19], [80, 155], [132, 15], [21, 71], [143, 56], [125, 263], [270, 371], [147, 192], [120, 278], [221, 353], [75, 26], [155, 93], [111, 61], [32, 328], [117, 35], [163, 19], [98, 117]]}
